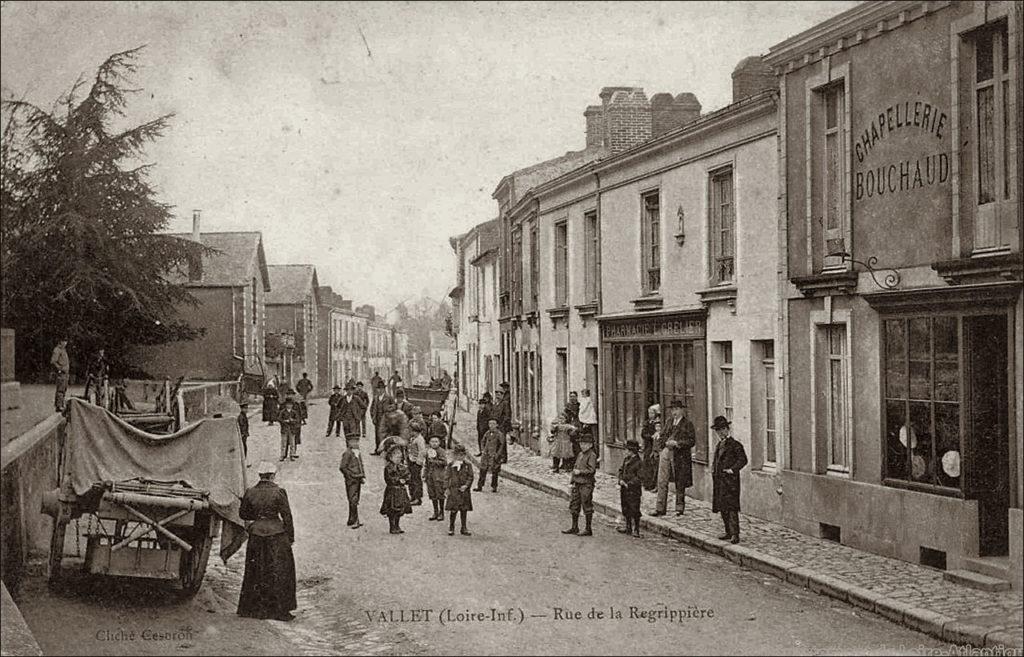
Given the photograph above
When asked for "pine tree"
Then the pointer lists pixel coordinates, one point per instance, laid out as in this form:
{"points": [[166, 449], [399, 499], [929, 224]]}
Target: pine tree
{"points": [[82, 254]]}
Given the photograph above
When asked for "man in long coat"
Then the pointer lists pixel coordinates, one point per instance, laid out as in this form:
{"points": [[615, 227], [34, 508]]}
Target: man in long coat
{"points": [[364, 401], [333, 420], [378, 408], [674, 464], [350, 412], [728, 460]]}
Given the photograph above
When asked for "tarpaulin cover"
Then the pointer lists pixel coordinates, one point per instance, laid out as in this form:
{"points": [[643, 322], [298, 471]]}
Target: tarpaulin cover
{"points": [[206, 455]]}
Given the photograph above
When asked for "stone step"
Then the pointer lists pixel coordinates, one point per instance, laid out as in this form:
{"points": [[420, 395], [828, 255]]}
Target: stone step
{"points": [[998, 567], [976, 580]]}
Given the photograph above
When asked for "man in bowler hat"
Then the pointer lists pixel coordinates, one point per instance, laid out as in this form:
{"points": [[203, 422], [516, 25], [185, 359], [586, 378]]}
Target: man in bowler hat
{"points": [[729, 459]]}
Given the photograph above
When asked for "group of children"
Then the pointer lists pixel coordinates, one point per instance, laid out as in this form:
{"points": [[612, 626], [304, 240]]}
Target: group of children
{"points": [[408, 465]]}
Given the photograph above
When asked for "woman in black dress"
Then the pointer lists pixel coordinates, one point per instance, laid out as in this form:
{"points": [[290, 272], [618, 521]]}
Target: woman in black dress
{"points": [[396, 501], [268, 585]]}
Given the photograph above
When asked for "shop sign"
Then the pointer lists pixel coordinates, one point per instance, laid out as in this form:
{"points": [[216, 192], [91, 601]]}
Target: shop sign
{"points": [[916, 122], [654, 328]]}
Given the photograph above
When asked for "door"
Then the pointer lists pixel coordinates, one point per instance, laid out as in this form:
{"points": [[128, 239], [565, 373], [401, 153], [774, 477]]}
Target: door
{"points": [[987, 429]]}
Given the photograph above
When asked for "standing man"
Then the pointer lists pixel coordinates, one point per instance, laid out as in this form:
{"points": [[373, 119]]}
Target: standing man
{"points": [[376, 381], [583, 488], [378, 409], [96, 375], [352, 469], [491, 458], [333, 420], [446, 380], [243, 427], [61, 371], [403, 404], [484, 410], [349, 413], [304, 387], [393, 383], [364, 403], [291, 422], [676, 440], [729, 459], [503, 409]]}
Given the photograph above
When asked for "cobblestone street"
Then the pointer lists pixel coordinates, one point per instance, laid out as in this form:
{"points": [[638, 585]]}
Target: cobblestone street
{"points": [[863, 577], [517, 559]]}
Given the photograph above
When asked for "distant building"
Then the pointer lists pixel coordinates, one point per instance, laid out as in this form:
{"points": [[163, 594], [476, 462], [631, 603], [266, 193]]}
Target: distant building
{"points": [[475, 310], [343, 342], [292, 306], [230, 286], [442, 355]]}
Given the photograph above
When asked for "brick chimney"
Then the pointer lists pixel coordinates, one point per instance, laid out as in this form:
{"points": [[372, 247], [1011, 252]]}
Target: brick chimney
{"points": [[752, 76], [627, 117], [668, 113], [196, 235], [595, 126]]}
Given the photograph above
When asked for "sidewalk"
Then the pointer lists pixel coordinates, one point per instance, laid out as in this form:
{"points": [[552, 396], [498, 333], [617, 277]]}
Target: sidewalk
{"points": [[903, 592]]}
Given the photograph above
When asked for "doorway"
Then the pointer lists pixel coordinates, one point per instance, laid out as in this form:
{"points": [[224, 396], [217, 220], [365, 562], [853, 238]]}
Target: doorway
{"points": [[988, 428]]}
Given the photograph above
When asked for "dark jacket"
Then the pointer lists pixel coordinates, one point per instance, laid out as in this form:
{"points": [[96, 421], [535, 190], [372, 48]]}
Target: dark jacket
{"points": [[629, 472], [484, 413], [436, 473], [686, 438], [729, 455], [396, 495], [586, 464], [502, 412], [290, 417], [304, 387], [572, 413], [334, 401], [352, 467], [438, 428], [493, 450], [364, 399], [350, 412], [378, 407], [459, 500], [266, 504]]}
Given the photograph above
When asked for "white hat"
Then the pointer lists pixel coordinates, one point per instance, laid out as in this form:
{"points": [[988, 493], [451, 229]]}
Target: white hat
{"points": [[266, 467]]}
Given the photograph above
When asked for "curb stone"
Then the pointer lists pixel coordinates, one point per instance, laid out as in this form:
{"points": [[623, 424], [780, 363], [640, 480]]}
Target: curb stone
{"points": [[926, 621]]}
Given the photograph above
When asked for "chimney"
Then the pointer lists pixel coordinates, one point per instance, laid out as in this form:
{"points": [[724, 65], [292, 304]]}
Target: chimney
{"points": [[668, 113], [752, 76], [595, 126], [196, 236], [627, 115]]}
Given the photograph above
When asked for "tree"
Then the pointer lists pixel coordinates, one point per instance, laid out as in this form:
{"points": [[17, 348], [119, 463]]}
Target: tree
{"points": [[81, 252]]}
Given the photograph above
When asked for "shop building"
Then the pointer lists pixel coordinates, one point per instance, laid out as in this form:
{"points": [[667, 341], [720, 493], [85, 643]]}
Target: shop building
{"points": [[900, 224]]}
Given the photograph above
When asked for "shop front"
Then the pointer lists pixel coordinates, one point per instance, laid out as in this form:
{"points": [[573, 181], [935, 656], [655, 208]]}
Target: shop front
{"points": [[650, 359]]}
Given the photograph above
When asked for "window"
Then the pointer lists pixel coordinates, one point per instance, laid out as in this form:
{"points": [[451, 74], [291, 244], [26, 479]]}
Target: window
{"points": [[650, 242], [592, 265], [561, 379], [833, 180], [923, 400], [561, 264], [837, 423], [993, 129], [534, 266], [723, 232], [768, 361], [517, 271], [481, 301], [723, 396]]}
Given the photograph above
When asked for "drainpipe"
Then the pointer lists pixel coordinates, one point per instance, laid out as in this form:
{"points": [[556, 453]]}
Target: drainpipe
{"points": [[600, 309]]}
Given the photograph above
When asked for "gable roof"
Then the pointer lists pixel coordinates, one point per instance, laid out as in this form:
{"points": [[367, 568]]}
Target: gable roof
{"points": [[238, 259], [291, 284]]}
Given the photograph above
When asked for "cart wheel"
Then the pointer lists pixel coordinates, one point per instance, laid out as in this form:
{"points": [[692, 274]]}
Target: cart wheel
{"points": [[193, 563], [60, 528]]}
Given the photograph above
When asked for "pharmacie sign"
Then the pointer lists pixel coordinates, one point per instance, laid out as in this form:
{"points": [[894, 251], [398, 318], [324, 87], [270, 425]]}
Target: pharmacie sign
{"points": [[913, 125]]}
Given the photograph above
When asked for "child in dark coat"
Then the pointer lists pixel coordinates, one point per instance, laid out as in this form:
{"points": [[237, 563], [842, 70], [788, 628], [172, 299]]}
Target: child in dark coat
{"points": [[492, 456], [630, 488], [436, 476], [396, 496], [460, 481]]}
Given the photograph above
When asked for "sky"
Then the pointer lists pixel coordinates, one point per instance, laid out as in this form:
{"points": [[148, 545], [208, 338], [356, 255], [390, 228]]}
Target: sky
{"points": [[359, 137]]}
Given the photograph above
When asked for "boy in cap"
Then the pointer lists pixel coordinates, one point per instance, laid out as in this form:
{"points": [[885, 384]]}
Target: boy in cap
{"points": [[460, 482], [333, 419], [352, 469], [583, 487], [243, 427], [491, 455], [630, 488], [728, 460]]}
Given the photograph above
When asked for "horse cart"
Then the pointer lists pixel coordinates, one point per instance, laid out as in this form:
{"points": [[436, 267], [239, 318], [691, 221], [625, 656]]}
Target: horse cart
{"points": [[145, 505], [429, 400]]}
